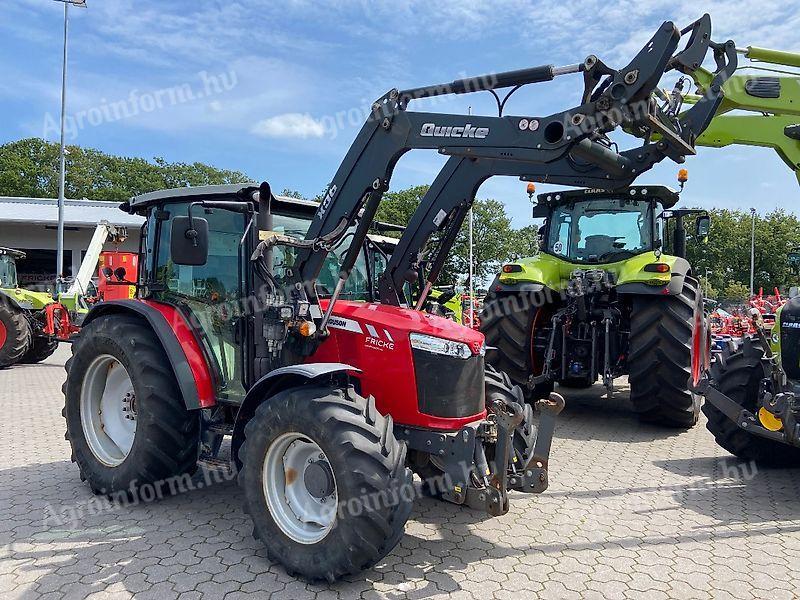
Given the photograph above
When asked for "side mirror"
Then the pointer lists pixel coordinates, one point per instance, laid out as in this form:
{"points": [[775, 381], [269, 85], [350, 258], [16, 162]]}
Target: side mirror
{"points": [[540, 235], [120, 273], [189, 241], [541, 211], [107, 272], [703, 226]]}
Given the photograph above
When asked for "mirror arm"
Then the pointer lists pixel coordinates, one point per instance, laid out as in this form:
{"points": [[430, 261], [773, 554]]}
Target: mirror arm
{"points": [[191, 232]]}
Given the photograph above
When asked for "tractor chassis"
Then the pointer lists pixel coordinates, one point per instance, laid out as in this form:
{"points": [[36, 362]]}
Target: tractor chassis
{"points": [[462, 455], [783, 405]]}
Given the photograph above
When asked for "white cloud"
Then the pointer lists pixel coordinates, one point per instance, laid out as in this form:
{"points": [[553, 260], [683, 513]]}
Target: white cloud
{"points": [[290, 125]]}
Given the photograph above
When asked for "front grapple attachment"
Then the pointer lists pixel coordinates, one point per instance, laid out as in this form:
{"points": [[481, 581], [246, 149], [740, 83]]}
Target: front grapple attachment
{"points": [[478, 465]]}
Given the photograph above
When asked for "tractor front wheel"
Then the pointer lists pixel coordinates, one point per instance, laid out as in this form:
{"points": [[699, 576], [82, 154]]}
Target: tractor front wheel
{"points": [[739, 378], [660, 357], [15, 333], [126, 421], [324, 481]]}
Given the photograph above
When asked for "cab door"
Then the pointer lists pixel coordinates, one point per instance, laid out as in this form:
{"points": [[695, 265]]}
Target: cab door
{"points": [[210, 295]]}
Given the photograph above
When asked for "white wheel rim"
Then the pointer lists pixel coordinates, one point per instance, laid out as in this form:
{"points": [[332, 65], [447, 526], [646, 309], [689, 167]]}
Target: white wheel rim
{"points": [[300, 488], [108, 410]]}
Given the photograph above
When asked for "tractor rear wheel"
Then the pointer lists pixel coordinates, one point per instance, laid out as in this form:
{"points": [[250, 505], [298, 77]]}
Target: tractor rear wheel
{"points": [[325, 481], [739, 378], [15, 333], [41, 348], [513, 325], [660, 357], [126, 421]]}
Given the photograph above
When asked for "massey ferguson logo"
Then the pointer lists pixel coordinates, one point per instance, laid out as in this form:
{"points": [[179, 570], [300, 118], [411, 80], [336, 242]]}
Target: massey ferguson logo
{"points": [[457, 131]]}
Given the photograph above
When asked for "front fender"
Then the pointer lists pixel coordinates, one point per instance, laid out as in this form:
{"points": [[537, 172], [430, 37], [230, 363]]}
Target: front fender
{"points": [[274, 382]]}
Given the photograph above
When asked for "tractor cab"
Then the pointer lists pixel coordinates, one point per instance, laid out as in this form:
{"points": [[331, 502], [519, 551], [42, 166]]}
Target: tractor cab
{"points": [[600, 227], [8, 268]]}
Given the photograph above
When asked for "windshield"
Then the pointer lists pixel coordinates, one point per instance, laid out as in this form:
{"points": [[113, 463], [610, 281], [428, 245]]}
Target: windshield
{"points": [[8, 272], [357, 286], [604, 230]]}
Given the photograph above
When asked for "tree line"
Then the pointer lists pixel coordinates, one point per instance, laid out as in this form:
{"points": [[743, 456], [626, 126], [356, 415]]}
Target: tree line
{"points": [[29, 168]]}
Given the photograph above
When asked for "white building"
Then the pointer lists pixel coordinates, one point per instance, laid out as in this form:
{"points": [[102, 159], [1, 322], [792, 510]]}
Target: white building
{"points": [[31, 225]]}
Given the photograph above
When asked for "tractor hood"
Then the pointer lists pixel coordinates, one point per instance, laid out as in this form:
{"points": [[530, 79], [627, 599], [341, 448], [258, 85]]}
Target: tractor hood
{"points": [[401, 321]]}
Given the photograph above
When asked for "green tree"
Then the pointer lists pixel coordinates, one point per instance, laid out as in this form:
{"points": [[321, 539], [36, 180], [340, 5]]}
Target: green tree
{"points": [[736, 292], [30, 168], [494, 239], [727, 253], [290, 193]]}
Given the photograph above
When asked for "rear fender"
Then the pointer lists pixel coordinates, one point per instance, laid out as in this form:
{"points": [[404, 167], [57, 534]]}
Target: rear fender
{"points": [[16, 302], [277, 381], [184, 352], [679, 270]]}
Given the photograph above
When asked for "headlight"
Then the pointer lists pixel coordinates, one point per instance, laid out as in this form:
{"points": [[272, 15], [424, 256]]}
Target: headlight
{"points": [[437, 345]]}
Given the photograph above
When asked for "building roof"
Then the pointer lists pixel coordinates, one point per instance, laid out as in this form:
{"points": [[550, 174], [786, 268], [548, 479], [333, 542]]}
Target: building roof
{"points": [[77, 213]]}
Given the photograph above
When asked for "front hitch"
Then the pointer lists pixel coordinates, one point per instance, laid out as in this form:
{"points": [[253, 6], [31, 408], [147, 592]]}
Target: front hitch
{"points": [[512, 441], [533, 478]]}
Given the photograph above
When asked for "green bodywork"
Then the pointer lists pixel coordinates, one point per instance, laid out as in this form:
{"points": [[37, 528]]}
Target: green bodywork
{"points": [[767, 128], [453, 305], [554, 273], [28, 299]]}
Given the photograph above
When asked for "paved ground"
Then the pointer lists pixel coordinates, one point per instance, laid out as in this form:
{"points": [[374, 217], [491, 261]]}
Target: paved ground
{"points": [[632, 511]]}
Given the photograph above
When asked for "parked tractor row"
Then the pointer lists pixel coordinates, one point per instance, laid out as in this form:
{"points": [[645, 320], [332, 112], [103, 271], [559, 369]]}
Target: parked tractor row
{"points": [[337, 369], [241, 328]]}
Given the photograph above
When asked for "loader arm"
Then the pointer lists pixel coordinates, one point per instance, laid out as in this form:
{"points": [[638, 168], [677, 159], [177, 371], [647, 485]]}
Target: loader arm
{"points": [[772, 94], [565, 147], [102, 233]]}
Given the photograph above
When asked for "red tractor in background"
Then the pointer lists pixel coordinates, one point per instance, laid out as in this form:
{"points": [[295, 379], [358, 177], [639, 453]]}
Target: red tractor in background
{"points": [[241, 328]]}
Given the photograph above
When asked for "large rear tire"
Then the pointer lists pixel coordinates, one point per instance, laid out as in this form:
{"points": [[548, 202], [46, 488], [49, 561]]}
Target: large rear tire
{"points": [[508, 321], [15, 333], [324, 481], [739, 377], [660, 357], [41, 349], [126, 421]]}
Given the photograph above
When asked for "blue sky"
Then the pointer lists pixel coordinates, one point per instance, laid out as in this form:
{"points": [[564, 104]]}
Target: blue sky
{"points": [[279, 89]]}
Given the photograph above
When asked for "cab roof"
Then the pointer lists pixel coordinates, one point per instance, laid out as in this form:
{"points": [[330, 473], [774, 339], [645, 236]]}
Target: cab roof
{"points": [[664, 195], [232, 191], [15, 254]]}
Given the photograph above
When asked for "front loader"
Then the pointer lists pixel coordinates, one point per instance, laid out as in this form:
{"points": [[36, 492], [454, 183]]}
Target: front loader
{"points": [[330, 403]]}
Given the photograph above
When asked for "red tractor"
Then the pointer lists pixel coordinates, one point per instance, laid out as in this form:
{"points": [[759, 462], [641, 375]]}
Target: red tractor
{"points": [[241, 327]]}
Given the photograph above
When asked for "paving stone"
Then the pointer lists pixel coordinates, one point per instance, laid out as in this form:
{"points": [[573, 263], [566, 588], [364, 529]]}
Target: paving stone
{"points": [[632, 511]]}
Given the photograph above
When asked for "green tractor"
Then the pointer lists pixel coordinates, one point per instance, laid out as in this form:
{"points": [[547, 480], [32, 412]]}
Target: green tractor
{"points": [[753, 396], [610, 294], [29, 321]]}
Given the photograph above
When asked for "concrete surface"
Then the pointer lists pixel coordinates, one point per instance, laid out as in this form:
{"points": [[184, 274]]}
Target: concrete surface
{"points": [[633, 511]]}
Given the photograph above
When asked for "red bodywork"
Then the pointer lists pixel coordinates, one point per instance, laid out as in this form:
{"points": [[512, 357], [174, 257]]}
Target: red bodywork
{"points": [[57, 323], [371, 337], [375, 338], [192, 350], [111, 288]]}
